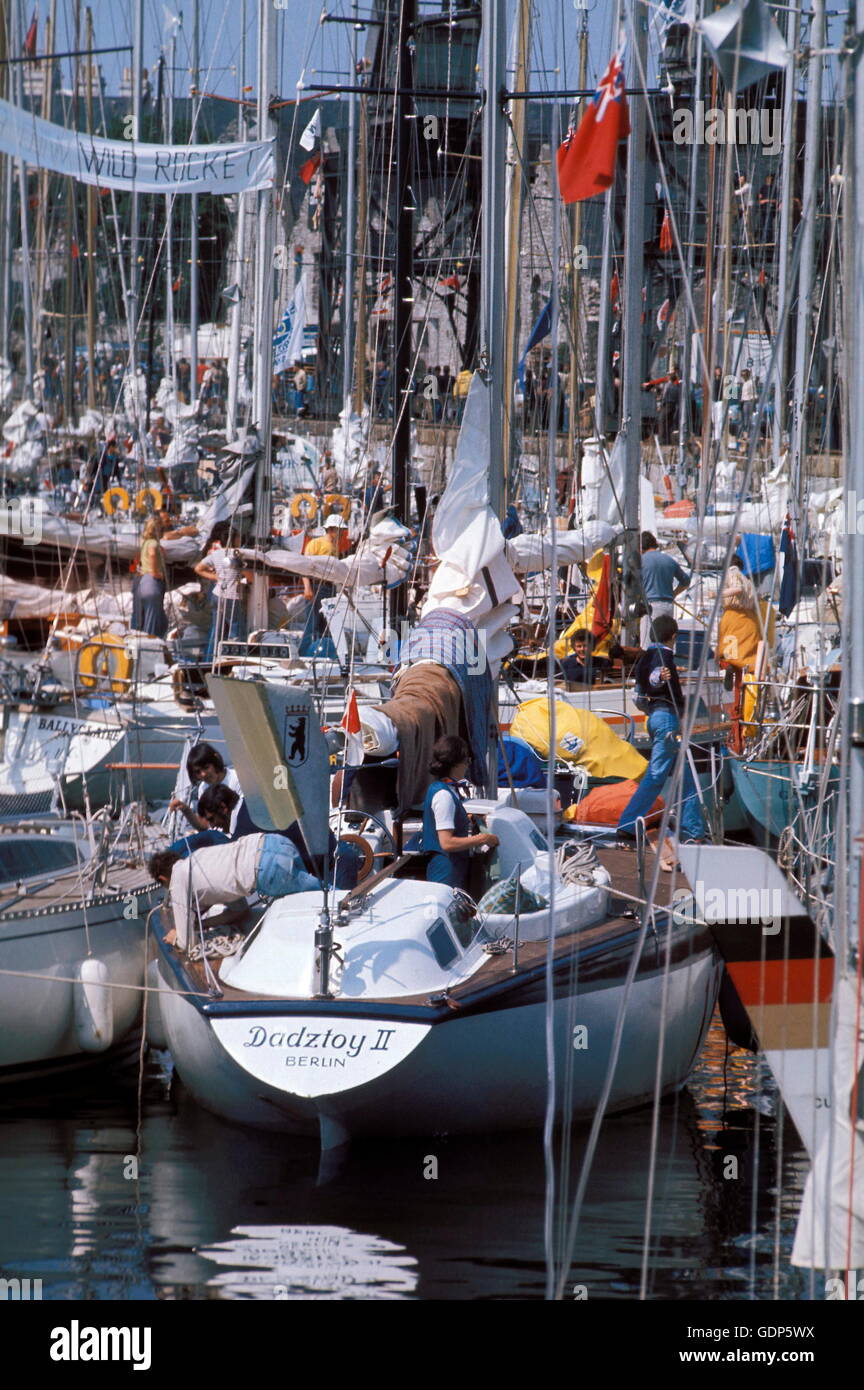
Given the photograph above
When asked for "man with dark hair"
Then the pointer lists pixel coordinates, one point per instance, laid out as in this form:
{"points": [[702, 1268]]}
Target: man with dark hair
{"points": [[659, 695], [662, 580], [205, 766], [582, 667], [268, 865]]}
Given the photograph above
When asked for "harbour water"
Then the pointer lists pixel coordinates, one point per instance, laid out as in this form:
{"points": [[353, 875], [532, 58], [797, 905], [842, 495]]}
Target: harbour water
{"points": [[111, 1194]]}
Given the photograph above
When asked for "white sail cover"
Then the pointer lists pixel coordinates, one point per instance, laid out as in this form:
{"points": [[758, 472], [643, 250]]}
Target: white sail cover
{"points": [[474, 577], [830, 1233], [534, 552], [129, 165]]}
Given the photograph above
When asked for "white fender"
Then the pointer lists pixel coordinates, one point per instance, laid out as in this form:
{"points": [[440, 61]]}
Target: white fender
{"points": [[94, 1016]]}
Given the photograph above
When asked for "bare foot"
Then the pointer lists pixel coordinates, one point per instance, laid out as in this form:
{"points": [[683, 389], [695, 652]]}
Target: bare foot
{"points": [[668, 856]]}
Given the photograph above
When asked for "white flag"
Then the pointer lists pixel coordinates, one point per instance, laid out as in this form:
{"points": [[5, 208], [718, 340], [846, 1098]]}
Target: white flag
{"points": [[312, 131], [288, 338]]}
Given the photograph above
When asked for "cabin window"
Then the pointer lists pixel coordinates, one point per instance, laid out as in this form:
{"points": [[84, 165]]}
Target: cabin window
{"points": [[537, 839], [442, 944]]}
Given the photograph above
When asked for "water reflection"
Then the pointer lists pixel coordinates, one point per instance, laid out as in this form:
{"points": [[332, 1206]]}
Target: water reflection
{"points": [[218, 1212]]}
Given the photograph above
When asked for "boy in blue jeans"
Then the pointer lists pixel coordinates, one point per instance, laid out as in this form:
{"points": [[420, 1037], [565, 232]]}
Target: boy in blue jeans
{"points": [[659, 694]]}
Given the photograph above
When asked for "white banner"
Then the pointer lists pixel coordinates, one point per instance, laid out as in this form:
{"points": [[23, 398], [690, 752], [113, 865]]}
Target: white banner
{"points": [[288, 338], [128, 165]]}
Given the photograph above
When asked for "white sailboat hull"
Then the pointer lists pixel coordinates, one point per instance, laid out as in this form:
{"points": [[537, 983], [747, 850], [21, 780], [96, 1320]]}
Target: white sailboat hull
{"points": [[298, 1067], [49, 1014]]}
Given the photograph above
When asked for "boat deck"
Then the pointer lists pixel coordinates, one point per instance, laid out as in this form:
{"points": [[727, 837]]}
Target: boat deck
{"points": [[498, 969], [69, 889]]}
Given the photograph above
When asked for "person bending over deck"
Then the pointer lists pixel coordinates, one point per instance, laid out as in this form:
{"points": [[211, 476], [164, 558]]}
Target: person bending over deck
{"points": [[205, 766], [659, 695], [227, 812], [227, 875], [446, 829]]}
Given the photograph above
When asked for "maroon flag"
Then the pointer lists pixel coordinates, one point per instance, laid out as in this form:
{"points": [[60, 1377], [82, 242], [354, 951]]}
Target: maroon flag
{"points": [[586, 160], [666, 233], [30, 39]]}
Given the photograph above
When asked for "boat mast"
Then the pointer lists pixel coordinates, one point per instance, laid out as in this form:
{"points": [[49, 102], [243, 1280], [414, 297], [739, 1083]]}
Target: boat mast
{"points": [[515, 199], [685, 413], [784, 236], [403, 276], [852, 644], [360, 296], [492, 239], [91, 228], [194, 249], [134, 268], [348, 221], [168, 135], [26, 284], [575, 230], [263, 374], [633, 375], [240, 244], [42, 279], [69, 413], [807, 269], [6, 224]]}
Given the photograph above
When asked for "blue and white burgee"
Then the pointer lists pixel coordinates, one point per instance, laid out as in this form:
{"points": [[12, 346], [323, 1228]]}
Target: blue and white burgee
{"points": [[288, 338]]}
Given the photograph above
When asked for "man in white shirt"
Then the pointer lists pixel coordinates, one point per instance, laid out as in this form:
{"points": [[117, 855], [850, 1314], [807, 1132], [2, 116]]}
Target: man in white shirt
{"points": [[748, 400], [227, 875]]}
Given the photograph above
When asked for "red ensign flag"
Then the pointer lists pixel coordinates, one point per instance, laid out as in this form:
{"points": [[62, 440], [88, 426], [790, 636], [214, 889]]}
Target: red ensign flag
{"points": [[586, 160]]}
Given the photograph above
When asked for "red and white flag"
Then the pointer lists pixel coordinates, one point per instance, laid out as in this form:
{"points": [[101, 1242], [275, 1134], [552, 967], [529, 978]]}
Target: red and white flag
{"points": [[353, 735], [586, 160]]}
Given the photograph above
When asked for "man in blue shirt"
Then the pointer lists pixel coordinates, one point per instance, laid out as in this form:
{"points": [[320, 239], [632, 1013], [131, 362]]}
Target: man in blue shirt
{"points": [[662, 579]]}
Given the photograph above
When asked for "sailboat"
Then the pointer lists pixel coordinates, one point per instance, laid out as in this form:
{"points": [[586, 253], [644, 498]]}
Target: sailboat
{"points": [[401, 1007]]}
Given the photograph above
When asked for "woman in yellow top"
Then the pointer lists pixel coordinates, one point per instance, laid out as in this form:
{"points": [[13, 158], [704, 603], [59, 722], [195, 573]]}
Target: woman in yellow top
{"points": [[744, 624], [150, 595]]}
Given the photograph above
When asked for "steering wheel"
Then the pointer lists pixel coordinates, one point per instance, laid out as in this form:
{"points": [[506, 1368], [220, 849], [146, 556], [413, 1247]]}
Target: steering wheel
{"points": [[353, 824]]}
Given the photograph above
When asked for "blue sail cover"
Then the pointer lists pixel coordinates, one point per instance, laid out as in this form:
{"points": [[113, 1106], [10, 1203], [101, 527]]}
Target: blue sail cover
{"points": [[756, 553]]}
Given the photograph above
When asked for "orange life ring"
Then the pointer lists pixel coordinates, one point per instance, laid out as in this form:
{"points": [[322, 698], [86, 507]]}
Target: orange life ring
{"points": [[338, 499], [104, 663], [154, 496], [302, 499], [116, 499]]}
